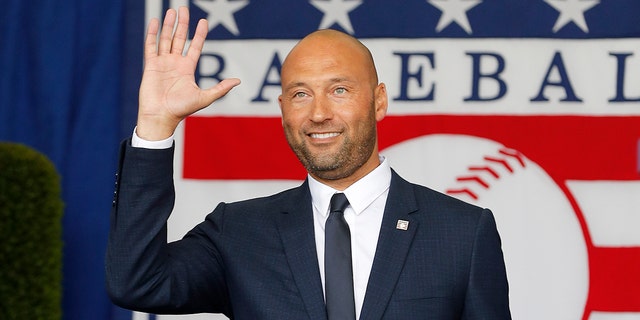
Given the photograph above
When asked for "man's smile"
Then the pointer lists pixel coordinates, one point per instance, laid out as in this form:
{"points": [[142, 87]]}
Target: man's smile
{"points": [[324, 135]]}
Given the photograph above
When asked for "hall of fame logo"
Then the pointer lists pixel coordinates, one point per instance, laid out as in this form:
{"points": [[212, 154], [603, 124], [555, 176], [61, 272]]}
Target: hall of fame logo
{"points": [[541, 129]]}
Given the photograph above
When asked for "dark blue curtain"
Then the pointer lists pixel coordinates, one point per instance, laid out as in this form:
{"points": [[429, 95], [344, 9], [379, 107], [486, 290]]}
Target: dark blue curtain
{"points": [[65, 66]]}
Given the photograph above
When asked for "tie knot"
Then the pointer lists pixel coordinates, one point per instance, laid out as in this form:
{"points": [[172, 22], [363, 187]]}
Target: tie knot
{"points": [[339, 202]]}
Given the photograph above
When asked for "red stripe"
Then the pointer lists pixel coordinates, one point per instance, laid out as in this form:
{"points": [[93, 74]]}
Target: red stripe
{"points": [[238, 148], [614, 277], [567, 147]]}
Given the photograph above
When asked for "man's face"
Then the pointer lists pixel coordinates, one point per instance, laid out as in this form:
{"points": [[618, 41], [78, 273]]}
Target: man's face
{"points": [[330, 105]]}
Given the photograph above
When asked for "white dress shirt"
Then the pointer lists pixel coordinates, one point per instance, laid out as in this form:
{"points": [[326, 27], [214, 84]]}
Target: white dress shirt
{"points": [[367, 198], [138, 142]]}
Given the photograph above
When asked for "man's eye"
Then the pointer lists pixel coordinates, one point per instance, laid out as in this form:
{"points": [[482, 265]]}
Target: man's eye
{"points": [[299, 95], [340, 90]]}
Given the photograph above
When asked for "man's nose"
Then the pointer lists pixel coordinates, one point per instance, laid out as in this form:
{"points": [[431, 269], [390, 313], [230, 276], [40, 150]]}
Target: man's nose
{"points": [[321, 109]]}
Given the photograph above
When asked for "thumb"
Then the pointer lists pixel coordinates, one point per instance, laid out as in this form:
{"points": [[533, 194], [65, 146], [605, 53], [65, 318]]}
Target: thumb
{"points": [[218, 91]]}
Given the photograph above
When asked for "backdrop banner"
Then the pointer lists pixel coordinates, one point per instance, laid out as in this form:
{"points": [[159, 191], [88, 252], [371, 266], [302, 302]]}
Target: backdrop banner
{"points": [[530, 108]]}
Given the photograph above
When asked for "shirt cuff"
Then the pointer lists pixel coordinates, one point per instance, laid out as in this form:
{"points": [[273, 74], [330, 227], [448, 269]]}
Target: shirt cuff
{"points": [[138, 142]]}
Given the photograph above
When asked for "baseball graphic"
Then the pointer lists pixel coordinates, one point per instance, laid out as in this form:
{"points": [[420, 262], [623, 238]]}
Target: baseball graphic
{"points": [[544, 248]]}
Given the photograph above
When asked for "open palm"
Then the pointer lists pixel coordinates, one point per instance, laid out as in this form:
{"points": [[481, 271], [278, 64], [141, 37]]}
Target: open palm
{"points": [[168, 92]]}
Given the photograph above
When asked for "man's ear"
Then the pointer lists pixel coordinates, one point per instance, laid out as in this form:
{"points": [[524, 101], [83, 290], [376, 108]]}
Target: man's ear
{"points": [[281, 111], [381, 101]]}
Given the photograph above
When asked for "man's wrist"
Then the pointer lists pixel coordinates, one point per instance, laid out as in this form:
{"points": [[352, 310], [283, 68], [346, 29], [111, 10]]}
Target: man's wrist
{"points": [[138, 142]]}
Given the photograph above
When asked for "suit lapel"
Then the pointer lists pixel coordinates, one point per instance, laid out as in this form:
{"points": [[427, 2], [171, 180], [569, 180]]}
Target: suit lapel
{"points": [[295, 225], [392, 249]]}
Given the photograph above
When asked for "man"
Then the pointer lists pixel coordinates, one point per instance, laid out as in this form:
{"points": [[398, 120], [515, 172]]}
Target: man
{"points": [[416, 253]]}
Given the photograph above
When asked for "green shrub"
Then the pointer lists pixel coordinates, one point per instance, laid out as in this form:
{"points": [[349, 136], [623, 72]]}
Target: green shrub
{"points": [[30, 235]]}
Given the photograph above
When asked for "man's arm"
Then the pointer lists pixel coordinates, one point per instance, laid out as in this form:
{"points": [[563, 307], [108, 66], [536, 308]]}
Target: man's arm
{"points": [[143, 272], [143, 201], [488, 290]]}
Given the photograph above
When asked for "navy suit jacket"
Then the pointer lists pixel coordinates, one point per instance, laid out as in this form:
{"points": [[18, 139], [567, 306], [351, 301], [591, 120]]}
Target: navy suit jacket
{"points": [[256, 259]]}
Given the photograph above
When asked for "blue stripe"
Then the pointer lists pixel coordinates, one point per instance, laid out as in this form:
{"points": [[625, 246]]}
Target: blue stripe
{"points": [[284, 19]]}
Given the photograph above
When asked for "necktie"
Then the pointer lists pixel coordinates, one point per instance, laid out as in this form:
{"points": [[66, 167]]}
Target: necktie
{"points": [[337, 262]]}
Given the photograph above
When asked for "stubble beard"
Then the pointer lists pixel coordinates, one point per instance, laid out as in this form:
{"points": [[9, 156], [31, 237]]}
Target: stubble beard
{"points": [[352, 154]]}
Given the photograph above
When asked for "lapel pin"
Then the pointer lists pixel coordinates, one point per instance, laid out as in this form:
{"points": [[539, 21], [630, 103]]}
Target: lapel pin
{"points": [[402, 225]]}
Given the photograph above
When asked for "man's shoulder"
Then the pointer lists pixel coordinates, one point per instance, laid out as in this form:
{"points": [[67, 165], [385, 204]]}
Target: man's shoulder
{"points": [[282, 199], [255, 215], [433, 201]]}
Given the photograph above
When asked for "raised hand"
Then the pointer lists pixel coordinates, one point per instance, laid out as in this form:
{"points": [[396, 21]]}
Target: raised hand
{"points": [[168, 92]]}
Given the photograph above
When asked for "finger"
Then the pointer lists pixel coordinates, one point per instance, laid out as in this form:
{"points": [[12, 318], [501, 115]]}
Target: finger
{"points": [[195, 48], [218, 91], [167, 31], [180, 36], [150, 41]]}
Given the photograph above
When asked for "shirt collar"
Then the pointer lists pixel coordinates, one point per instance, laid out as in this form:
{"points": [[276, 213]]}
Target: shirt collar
{"points": [[360, 194]]}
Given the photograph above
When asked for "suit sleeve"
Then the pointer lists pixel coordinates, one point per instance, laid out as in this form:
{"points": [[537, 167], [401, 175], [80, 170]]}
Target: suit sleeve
{"points": [[488, 290], [143, 271]]}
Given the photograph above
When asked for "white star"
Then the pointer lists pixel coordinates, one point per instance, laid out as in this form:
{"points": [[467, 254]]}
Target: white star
{"points": [[454, 11], [572, 10], [221, 12], [336, 11]]}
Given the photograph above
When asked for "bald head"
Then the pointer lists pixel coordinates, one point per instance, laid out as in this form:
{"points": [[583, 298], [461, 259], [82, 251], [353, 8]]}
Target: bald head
{"points": [[339, 46]]}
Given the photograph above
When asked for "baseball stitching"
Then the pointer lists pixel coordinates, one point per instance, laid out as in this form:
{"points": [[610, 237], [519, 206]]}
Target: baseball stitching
{"points": [[472, 179]]}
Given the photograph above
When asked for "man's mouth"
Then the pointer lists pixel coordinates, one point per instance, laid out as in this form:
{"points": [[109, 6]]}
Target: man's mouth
{"points": [[324, 135]]}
